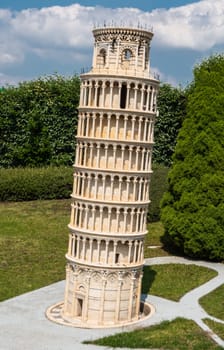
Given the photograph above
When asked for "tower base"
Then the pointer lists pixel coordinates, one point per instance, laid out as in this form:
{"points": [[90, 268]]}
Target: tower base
{"points": [[55, 314]]}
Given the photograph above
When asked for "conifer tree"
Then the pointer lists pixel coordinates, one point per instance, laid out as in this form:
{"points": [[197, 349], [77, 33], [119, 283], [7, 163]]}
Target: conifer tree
{"points": [[172, 110], [193, 206]]}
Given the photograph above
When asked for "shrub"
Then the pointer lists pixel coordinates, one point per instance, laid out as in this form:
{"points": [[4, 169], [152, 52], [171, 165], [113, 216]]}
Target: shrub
{"points": [[158, 186], [24, 184], [38, 121], [172, 111], [193, 207]]}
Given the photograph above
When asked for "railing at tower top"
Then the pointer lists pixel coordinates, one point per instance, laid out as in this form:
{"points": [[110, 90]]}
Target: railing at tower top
{"points": [[124, 24], [120, 71]]}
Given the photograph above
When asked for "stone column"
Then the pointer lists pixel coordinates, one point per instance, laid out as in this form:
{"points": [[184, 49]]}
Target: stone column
{"points": [[102, 298], [94, 218], [133, 128], [125, 127], [106, 252], [117, 127], [129, 251], [93, 127], [85, 316], [78, 247], [131, 296], [139, 294], [70, 244], [75, 276], [135, 250], [117, 310], [87, 126], [98, 250], [108, 126], [83, 248], [68, 271], [132, 218], [111, 94]]}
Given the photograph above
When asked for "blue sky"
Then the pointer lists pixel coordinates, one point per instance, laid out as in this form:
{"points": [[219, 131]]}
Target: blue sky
{"points": [[145, 5], [38, 38]]}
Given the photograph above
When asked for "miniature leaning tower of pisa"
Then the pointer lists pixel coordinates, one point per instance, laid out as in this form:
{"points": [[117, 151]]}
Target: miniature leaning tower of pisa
{"points": [[111, 181]]}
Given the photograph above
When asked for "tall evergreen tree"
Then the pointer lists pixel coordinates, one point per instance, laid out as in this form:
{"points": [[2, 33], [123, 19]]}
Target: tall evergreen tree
{"points": [[193, 207], [172, 110]]}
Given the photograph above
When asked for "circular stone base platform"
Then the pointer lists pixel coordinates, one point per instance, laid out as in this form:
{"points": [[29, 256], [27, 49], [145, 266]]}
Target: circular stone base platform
{"points": [[54, 314]]}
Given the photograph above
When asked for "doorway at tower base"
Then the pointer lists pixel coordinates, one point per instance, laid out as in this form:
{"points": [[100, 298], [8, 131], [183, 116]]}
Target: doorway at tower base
{"points": [[55, 314]]}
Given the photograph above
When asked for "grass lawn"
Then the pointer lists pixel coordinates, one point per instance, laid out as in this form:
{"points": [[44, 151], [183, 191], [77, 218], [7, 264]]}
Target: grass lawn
{"points": [[153, 246], [33, 242], [217, 328], [180, 334], [213, 302], [172, 281]]}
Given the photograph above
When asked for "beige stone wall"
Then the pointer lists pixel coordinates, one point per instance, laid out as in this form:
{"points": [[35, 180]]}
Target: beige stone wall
{"points": [[111, 181], [106, 296]]}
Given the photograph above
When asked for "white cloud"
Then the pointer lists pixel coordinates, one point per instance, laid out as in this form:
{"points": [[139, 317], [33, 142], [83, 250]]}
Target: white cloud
{"points": [[197, 26], [64, 33], [54, 26]]}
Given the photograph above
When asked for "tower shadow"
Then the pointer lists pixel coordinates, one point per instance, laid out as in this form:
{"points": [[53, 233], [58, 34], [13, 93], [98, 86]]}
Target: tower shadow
{"points": [[147, 281]]}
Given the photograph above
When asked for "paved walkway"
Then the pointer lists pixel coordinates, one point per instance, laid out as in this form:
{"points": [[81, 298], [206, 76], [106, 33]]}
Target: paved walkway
{"points": [[23, 325]]}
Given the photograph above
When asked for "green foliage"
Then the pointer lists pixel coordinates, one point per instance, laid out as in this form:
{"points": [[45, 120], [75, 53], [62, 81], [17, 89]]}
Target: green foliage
{"points": [[158, 186], [159, 279], [38, 120], [33, 242], [152, 241], [172, 110], [213, 302], [216, 327], [35, 183], [23, 184], [193, 207], [178, 334]]}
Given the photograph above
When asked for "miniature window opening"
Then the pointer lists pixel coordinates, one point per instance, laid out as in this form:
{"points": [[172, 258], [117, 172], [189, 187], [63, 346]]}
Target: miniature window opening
{"points": [[82, 158], [87, 96], [113, 45], [139, 47], [78, 214], [98, 96], [75, 250], [127, 54], [146, 57], [84, 124], [103, 56], [123, 96], [80, 187], [117, 258]]}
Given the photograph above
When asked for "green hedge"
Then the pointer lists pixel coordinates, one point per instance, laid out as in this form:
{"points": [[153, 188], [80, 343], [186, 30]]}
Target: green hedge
{"points": [[38, 121], [24, 184], [158, 186]]}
